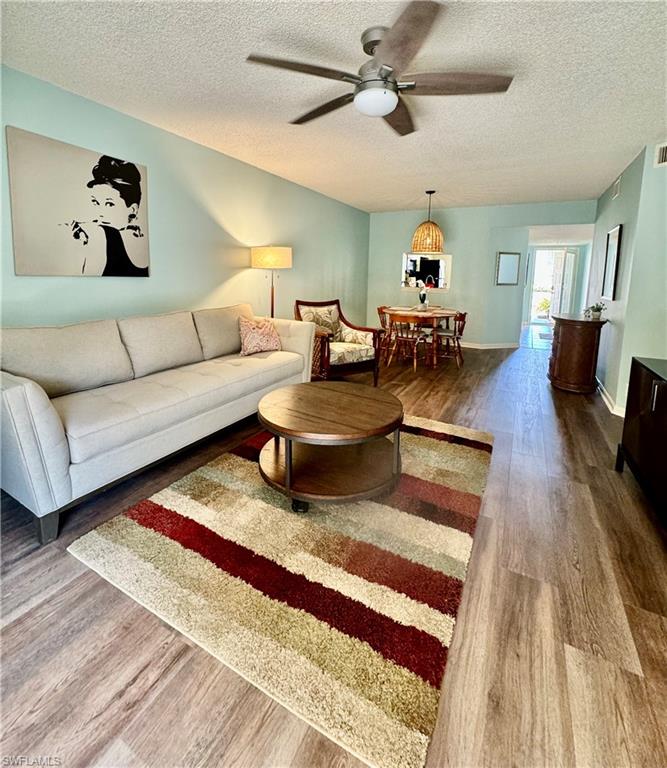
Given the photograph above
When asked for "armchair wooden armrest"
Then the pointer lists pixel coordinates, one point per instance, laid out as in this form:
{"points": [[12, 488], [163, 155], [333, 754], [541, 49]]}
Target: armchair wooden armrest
{"points": [[321, 352], [360, 327]]}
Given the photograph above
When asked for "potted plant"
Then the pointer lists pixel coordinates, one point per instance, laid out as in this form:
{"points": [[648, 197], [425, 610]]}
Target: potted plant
{"points": [[543, 307], [594, 312]]}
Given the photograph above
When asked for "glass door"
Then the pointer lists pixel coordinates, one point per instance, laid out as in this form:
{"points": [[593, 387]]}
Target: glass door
{"points": [[567, 282], [553, 283]]}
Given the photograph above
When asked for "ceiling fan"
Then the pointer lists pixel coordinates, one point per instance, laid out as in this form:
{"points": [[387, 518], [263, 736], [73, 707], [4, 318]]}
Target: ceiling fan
{"points": [[381, 82]]}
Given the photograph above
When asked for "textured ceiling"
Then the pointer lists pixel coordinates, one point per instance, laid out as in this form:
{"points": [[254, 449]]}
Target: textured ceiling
{"points": [[589, 90]]}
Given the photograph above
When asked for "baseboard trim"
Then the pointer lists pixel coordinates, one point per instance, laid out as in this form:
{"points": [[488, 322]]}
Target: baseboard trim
{"points": [[609, 401], [502, 345]]}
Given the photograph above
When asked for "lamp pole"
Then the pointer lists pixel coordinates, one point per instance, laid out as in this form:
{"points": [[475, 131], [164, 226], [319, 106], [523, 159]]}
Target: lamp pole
{"points": [[273, 295]]}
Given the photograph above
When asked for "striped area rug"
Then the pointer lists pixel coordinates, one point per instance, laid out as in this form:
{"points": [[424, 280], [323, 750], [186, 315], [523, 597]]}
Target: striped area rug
{"points": [[344, 614]]}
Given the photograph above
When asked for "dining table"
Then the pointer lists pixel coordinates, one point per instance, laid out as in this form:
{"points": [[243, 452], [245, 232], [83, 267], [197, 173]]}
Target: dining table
{"points": [[427, 316]]}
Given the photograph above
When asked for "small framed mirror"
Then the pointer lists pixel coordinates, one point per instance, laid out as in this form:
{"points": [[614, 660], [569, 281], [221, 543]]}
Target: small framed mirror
{"points": [[611, 263], [435, 270], [507, 268]]}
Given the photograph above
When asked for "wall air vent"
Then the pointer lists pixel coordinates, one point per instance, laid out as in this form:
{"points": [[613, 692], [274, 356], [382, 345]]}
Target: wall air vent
{"points": [[660, 156], [616, 191]]}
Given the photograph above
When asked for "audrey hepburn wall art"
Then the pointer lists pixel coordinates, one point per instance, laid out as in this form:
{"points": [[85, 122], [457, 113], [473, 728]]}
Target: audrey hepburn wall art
{"points": [[75, 212]]}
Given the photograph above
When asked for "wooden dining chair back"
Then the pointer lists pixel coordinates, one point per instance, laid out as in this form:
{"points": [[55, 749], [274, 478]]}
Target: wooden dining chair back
{"points": [[460, 323], [449, 339], [386, 337], [406, 336]]}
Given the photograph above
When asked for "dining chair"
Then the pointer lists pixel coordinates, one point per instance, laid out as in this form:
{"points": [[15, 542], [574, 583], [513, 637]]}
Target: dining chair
{"points": [[449, 339], [406, 336], [386, 336]]}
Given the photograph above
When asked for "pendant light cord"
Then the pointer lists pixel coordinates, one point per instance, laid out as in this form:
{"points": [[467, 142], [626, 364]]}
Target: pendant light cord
{"points": [[429, 192]]}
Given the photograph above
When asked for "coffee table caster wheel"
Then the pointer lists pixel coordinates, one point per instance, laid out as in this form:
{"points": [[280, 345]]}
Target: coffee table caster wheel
{"points": [[299, 506]]}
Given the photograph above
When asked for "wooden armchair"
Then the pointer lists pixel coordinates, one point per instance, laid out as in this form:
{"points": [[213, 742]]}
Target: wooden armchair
{"points": [[340, 346]]}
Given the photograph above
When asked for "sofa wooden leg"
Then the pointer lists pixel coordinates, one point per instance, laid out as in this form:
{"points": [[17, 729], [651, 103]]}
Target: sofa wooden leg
{"points": [[47, 527]]}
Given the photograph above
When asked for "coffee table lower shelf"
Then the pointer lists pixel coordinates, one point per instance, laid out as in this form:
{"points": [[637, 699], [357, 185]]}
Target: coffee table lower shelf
{"points": [[332, 473]]}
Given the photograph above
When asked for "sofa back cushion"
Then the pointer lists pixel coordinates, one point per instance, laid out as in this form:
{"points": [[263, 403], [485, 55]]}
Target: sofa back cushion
{"points": [[67, 358], [158, 342], [218, 329]]}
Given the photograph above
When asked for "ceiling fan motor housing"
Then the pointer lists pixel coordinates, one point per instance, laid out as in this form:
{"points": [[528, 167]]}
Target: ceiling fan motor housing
{"points": [[371, 38]]}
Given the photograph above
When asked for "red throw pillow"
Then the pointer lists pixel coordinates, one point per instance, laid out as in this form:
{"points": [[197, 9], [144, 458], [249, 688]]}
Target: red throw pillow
{"points": [[258, 336]]}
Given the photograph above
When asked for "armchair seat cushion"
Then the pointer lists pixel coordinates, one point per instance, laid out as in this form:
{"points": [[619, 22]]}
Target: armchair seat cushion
{"points": [[343, 352], [354, 336]]}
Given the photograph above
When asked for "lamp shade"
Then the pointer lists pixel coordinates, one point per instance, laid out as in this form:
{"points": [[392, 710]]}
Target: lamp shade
{"points": [[427, 238], [271, 257]]}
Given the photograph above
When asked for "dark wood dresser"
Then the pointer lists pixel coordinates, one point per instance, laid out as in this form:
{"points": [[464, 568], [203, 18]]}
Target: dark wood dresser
{"points": [[644, 441], [574, 353]]}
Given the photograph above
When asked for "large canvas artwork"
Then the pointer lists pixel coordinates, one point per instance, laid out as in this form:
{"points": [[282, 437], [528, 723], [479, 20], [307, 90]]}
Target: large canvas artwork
{"points": [[75, 212]]}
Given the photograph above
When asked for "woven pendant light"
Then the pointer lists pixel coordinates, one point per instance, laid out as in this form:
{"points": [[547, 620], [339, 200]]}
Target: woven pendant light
{"points": [[428, 237]]}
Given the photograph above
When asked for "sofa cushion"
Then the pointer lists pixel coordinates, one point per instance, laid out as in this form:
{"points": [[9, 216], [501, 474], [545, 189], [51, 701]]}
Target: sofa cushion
{"points": [[218, 329], [158, 342], [105, 418], [67, 358]]}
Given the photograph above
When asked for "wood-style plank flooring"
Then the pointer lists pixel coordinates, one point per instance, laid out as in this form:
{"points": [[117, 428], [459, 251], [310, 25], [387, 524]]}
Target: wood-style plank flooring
{"points": [[559, 654]]}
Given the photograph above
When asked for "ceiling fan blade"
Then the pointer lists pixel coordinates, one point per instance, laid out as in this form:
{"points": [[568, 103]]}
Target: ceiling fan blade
{"points": [[336, 103], [308, 69], [400, 119], [401, 43], [453, 83]]}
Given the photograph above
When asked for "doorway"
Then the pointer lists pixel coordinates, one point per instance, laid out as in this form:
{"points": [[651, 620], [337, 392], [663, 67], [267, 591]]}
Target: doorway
{"points": [[551, 292]]}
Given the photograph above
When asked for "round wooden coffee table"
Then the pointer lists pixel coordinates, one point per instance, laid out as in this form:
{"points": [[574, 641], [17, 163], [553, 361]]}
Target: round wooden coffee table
{"points": [[335, 445]]}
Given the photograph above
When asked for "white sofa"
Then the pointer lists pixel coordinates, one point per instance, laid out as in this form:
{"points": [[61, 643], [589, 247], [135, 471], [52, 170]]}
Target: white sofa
{"points": [[84, 405]]}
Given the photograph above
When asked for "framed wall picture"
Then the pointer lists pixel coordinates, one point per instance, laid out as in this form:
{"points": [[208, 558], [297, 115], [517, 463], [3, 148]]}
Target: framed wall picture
{"points": [[75, 212], [611, 262], [507, 268]]}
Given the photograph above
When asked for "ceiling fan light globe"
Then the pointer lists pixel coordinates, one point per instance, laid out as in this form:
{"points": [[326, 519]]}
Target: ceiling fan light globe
{"points": [[376, 102]]}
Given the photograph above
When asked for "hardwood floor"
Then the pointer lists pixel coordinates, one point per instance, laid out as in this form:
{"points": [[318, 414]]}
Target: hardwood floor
{"points": [[559, 653]]}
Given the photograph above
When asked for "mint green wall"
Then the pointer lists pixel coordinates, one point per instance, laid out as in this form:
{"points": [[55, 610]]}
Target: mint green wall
{"points": [[621, 210], [472, 236], [204, 210], [646, 329]]}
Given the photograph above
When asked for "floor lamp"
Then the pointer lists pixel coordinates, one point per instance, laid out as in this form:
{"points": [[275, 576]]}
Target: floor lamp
{"points": [[271, 257]]}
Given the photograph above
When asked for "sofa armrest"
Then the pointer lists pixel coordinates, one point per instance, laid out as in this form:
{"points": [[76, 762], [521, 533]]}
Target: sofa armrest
{"points": [[297, 336], [35, 452]]}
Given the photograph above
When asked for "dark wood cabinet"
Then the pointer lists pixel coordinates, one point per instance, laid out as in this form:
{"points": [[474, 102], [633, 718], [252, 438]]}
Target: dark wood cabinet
{"points": [[574, 353], [644, 442]]}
